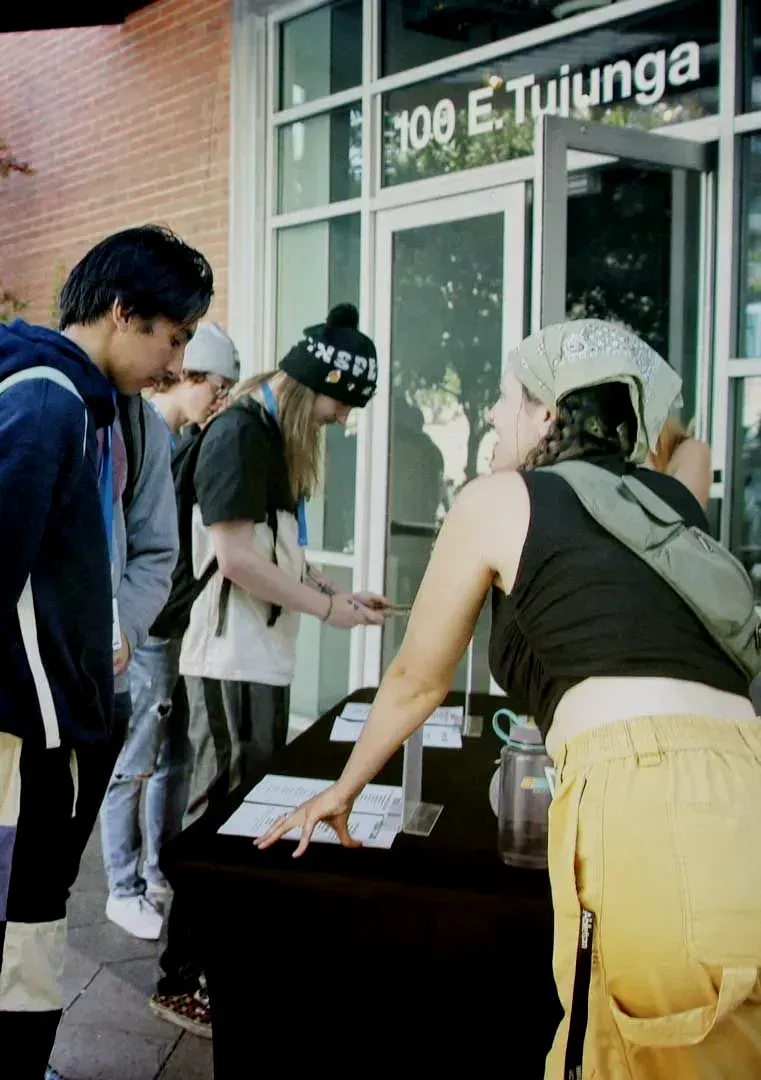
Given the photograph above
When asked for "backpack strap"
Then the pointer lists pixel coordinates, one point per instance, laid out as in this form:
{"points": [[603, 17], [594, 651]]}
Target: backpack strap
{"points": [[275, 610], [224, 594], [616, 502], [657, 507], [49, 374], [132, 418], [253, 407], [186, 501]]}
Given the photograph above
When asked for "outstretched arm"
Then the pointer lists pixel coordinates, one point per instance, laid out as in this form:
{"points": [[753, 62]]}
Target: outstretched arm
{"points": [[463, 566]]}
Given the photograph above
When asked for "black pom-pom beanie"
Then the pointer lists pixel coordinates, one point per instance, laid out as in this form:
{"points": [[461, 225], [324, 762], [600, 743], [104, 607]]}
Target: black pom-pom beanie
{"points": [[334, 358]]}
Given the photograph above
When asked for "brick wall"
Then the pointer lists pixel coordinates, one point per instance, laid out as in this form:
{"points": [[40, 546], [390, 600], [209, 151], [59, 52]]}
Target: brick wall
{"points": [[124, 125]]}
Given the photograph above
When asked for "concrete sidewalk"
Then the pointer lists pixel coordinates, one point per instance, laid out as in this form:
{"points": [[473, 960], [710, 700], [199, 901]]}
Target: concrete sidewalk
{"points": [[107, 1031]]}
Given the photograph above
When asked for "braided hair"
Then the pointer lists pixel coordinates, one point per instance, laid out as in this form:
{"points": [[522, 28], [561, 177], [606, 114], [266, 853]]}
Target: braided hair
{"points": [[591, 421]]}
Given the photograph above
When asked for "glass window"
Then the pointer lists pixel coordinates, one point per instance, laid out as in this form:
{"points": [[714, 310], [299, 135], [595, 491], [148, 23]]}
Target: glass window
{"points": [[322, 659], [749, 338], [416, 32], [446, 351], [320, 160], [318, 267], [751, 55], [745, 520], [646, 71], [320, 53], [633, 256]]}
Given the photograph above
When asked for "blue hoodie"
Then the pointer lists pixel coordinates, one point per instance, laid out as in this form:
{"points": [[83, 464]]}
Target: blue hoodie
{"points": [[56, 677]]}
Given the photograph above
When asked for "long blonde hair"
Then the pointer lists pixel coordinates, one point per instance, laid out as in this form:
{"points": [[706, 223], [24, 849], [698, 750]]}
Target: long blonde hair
{"points": [[302, 434]]}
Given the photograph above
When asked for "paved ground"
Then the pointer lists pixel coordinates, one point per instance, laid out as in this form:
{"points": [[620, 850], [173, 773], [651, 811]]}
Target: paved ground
{"points": [[107, 1032]]}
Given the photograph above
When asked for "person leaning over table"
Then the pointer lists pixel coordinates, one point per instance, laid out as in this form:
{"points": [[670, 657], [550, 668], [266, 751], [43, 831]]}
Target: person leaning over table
{"points": [[655, 826]]}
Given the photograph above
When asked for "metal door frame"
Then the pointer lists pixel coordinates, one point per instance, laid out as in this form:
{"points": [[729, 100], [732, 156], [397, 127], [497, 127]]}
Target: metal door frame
{"points": [[555, 138]]}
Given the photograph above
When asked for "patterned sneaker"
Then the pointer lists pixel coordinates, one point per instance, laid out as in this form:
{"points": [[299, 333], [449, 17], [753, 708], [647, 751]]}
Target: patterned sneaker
{"points": [[188, 1011], [51, 1074], [158, 896]]}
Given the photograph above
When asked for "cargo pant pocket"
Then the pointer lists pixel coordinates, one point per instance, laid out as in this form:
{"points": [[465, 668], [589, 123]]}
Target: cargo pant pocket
{"points": [[717, 853], [691, 1027]]}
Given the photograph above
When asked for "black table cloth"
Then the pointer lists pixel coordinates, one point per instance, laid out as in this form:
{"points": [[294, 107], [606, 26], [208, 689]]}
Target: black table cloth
{"points": [[433, 955]]}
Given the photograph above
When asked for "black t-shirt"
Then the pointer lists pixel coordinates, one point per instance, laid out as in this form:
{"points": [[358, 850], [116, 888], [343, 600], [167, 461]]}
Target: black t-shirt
{"points": [[241, 473], [583, 605]]}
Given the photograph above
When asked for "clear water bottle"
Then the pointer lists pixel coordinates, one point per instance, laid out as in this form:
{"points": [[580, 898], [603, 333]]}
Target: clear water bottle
{"points": [[524, 793]]}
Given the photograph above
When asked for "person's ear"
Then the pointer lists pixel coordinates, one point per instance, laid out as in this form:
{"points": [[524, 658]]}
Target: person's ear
{"points": [[547, 418], [120, 315]]}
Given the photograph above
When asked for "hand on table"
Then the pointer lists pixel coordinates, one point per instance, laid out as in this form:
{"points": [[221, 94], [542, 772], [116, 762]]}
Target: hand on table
{"points": [[329, 806]]}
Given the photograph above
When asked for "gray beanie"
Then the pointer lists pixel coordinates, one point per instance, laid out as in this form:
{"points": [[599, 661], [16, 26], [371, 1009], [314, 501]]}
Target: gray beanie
{"points": [[212, 352]]}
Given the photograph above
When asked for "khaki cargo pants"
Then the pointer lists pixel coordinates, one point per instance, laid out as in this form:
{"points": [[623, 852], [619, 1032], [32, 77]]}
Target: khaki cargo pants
{"points": [[655, 833]]}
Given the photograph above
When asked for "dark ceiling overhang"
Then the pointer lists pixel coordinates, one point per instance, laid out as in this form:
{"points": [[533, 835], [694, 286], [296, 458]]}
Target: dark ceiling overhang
{"points": [[52, 15]]}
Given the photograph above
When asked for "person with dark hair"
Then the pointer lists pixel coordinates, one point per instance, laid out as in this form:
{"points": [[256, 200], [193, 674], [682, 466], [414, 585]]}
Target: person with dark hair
{"points": [[146, 276], [257, 465], [655, 823], [62, 475]]}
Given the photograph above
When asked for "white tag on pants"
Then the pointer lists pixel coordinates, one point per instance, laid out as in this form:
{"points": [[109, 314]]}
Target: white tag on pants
{"points": [[116, 629]]}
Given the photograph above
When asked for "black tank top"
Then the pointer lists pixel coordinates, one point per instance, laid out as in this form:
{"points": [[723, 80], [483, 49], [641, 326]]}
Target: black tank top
{"points": [[583, 605]]}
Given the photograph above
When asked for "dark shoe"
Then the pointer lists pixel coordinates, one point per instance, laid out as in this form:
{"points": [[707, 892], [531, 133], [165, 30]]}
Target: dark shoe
{"points": [[188, 1011]]}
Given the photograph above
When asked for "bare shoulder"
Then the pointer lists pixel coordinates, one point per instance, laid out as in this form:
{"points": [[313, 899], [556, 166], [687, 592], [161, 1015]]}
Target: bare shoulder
{"points": [[489, 493], [494, 512]]}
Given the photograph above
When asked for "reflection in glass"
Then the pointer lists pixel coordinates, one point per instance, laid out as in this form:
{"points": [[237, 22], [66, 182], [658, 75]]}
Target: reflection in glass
{"points": [[749, 342], [446, 337], [633, 258], [646, 72], [322, 659], [320, 160], [415, 32], [318, 267], [745, 523], [320, 53], [751, 55]]}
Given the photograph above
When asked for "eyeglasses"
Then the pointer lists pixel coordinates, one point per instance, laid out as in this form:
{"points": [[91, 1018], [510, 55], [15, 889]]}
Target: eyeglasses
{"points": [[220, 385]]}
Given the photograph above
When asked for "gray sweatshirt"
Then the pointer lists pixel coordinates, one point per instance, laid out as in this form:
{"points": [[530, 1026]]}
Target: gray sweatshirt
{"points": [[146, 543]]}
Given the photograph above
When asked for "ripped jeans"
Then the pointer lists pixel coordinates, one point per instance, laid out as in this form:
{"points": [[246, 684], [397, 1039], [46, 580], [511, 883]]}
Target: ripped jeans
{"points": [[155, 757]]}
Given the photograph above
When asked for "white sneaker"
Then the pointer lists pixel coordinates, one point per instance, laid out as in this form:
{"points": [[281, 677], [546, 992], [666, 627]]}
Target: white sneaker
{"points": [[136, 915]]}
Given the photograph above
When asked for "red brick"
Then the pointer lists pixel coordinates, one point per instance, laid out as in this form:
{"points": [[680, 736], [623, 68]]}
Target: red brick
{"points": [[124, 125]]}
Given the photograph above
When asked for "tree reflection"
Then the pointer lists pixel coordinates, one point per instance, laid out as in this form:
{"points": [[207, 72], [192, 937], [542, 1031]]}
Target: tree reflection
{"points": [[448, 280], [447, 316]]}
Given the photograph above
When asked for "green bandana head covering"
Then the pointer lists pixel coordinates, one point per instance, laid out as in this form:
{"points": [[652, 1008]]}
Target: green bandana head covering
{"points": [[560, 359]]}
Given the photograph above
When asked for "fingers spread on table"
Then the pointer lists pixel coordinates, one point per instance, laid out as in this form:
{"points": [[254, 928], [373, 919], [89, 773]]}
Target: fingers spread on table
{"points": [[306, 835], [341, 827], [279, 829]]}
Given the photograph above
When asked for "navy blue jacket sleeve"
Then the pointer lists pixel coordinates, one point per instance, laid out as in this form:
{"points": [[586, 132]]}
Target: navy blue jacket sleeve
{"points": [[42, 433]]}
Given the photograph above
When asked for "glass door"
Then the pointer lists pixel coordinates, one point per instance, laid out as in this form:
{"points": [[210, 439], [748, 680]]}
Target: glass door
{"points": [[623, 230], [449, 302]]}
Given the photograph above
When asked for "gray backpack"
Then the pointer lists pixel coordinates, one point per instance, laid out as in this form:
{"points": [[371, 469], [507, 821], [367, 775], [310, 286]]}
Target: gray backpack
{"points": [[708, 578]]}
